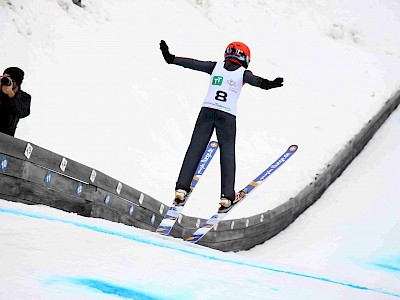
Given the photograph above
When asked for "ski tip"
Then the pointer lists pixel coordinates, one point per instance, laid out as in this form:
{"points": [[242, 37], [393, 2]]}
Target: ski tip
{"points": [[293, 148]]}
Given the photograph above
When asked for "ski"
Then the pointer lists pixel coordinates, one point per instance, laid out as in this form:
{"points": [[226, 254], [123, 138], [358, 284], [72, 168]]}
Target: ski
{"points": [[174, 211], [218, 216]]}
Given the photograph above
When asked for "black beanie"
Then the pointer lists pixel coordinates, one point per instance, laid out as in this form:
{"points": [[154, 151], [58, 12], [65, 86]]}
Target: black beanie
{"points": [[15, 73]]}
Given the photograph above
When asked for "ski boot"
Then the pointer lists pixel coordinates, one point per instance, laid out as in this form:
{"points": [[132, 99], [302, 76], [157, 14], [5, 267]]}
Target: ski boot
{"points": [[227, 203], [180, 197]]}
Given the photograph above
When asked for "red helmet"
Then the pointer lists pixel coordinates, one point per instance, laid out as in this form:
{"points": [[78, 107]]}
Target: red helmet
{"points": [[238, 52]]}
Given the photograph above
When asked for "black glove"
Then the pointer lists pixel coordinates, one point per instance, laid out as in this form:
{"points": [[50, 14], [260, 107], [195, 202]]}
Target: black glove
{"points": [[165, 52], [266, 84]]}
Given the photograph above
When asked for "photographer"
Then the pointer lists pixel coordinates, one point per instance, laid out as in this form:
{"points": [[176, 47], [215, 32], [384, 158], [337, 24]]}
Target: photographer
{"points": [[14, 103]]}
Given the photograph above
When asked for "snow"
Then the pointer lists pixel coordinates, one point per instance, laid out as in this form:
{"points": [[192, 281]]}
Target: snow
{"points": [[103, 96], [346, 246], [353, 230]]}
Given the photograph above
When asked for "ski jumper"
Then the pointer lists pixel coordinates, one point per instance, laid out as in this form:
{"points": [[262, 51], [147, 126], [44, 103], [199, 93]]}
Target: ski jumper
{"points": [[218, 112]]}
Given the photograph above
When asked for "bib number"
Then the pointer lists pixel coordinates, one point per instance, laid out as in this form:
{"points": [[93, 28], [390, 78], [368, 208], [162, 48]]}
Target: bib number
{"points": [[221, 96]]}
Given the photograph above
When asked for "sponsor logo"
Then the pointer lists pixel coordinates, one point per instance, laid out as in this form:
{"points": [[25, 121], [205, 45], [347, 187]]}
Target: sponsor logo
{"points": [[4, 164], [232, 85], [204, 161], [217, 106], [217, 80], [276, 165], [79, 189]]}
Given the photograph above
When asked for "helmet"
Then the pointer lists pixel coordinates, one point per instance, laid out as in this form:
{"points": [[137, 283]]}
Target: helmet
{"points": [[239, 53]]}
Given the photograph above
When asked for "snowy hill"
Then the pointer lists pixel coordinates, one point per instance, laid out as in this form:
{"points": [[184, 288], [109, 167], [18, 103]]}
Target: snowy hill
{"points": [[103, 95]]}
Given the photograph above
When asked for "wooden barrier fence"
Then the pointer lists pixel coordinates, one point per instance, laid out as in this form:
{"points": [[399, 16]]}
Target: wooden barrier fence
{"points": [[33, 175]]}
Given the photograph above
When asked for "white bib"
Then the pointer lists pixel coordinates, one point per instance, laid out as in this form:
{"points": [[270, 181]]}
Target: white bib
{"points": [[225, 87]]}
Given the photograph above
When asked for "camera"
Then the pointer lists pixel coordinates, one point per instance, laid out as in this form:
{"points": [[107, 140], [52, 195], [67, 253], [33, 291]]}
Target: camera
{"points": [[6, 81]]}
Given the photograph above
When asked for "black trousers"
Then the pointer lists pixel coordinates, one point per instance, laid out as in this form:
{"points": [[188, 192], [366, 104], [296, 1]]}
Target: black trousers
{"points": [[225, 126]]}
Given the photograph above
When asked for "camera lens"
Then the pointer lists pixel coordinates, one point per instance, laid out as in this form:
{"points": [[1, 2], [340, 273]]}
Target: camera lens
{"points": [[6, 81]]}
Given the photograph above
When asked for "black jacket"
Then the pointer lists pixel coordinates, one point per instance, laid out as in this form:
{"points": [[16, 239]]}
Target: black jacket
{"points": [[208, 67], [11, 110]]}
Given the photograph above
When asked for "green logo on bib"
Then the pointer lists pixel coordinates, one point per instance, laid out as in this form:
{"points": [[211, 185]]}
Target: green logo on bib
{"points": [[217, 80]]}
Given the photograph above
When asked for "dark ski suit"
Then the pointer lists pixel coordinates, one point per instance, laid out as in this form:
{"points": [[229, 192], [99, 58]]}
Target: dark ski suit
{"points": [[225, 125]]}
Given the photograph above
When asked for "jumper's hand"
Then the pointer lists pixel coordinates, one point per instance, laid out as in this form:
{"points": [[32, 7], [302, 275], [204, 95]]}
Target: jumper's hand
{"points": [[266, 84], [165, 52], [278, 82]]}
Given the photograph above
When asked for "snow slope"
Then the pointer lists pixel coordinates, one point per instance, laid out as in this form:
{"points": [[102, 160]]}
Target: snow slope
{"points": [[353, 230], [346, 246], [50, 254]]}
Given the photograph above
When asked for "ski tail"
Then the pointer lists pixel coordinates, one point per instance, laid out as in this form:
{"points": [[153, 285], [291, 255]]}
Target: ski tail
{"points": [[248, 189], [174, 211]]}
